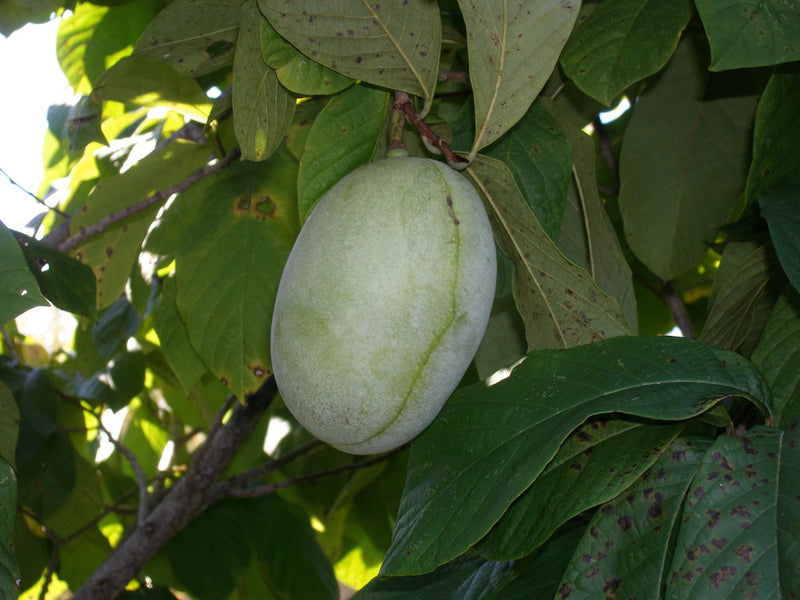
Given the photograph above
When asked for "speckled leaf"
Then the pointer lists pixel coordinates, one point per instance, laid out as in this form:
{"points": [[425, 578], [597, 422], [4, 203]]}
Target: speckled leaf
{"points": [[296, 71], [262, 107], [751, 33], [194, 36], [538, 154], [558, 301], [596, 247], [739, 532], [626, 543], [391, 44], [343, 137], [777, 130], [112, 254], [621, 42], [746, 286], [19, 288], [593, 465], [683, 164], [778, 354], [488, 445], [512, 48], [781, 209], [228, 272]]}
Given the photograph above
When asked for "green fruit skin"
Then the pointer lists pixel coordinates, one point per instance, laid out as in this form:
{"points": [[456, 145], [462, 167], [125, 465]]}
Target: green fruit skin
{"points": [[382, 303]]}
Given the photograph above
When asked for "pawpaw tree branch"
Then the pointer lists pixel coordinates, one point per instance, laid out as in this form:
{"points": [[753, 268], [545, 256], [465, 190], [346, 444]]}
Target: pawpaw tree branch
{"points": [[185, 500]]}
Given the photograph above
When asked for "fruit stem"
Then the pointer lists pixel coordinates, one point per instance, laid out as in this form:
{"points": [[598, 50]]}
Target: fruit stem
{"points": [[432, 141], [397, 123]]}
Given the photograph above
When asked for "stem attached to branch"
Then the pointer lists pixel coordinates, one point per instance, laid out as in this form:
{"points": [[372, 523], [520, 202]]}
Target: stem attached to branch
{"points": [[403, 103]]}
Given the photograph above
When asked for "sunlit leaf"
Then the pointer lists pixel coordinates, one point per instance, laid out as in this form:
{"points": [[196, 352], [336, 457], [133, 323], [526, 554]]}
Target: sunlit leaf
{"points": [[19, 288]]}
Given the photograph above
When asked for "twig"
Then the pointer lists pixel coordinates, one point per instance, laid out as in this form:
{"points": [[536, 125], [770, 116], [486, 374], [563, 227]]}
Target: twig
{"points": [[156, 198], [678, 309], [606, 151], [31, 194], [458, 76], [403, 103]]}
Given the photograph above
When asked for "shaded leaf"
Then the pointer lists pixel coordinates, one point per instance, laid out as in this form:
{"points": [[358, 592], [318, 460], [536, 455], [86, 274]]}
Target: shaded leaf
{"points": [[9, 570], [777, 129], [538, 154], [739, 533], [778, 354], [9, 424], [146, 82], [391, 44], [84, 125], [593, 465], [559, 303], [682, 165], [115, 327], [781, 209], [194, 36], [512, 49], [262, 108], [750, 33], [20, 290], [228, 273], [342, 137], [746, 286], [621, 42], [510, 431], [626, 543]]}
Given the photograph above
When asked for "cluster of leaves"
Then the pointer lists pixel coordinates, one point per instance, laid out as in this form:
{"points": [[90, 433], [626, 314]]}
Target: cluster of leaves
{"points": [[611, 462]]}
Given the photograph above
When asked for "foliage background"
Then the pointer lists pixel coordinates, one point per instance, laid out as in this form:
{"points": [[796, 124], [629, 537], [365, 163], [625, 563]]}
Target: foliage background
{"points": [[611, 462]]}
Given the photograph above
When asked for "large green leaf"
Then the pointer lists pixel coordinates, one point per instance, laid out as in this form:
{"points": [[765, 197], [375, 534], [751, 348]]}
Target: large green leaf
{"points": [[683, 164], [93, 38], [512, 49], [781, 208], [558, 301], [593, 465], [538, 154], [344, 136], [739, 535], [777, 129], [746, 286], [488, 445], [750, 33], [262, 107], [9, 571], [9, 424], [621, 42], [228, 272], [20, 290], [626, 544], [147, 82], [112, 253], [194, 36], [391, 44], [778, 354]]}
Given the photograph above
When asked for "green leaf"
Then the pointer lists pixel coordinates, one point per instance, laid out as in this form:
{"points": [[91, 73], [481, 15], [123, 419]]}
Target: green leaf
{"points": [[112, 253], [174, 338], [593, 465], [740, 529], [115, 386], [626, 543], [750, 33], [559, 303], [228, 274], [9, 424], [262, 108], [194, 36], [9, 570], [778, 354], [84, 125], [343, 137], [115, 327], [390, 44], [594, 243], [621, 42], [746, 286], [66, 282], [20, 290], [295, 71], [93, 38], [777, 129], [781, 209], [512, 49], [150, 83], [538, 154], [676, 192], [509, 432]]}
